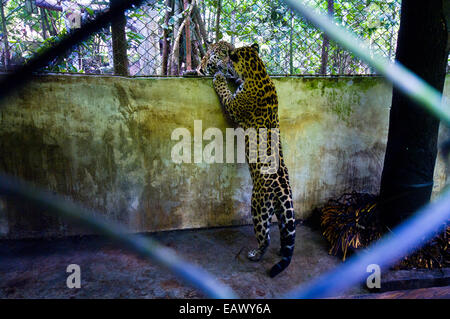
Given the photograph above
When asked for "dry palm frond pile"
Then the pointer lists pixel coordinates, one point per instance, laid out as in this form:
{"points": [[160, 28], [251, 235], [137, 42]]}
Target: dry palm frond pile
{"points": [[435, 254], [350, 222]]}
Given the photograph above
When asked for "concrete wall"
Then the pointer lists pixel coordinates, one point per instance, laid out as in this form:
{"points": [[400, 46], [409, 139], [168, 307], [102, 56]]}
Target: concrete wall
{"points": [[106, 142]]}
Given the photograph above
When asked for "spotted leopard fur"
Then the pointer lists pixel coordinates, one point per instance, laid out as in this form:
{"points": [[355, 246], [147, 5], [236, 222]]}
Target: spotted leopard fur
{"points": [[216, 59], [255, 105]]}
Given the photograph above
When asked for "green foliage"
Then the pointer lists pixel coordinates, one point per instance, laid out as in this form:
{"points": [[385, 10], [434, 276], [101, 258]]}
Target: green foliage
{"points": [[289, 45]]}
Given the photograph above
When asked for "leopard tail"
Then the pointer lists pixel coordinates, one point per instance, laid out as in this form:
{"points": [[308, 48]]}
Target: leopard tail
{"points": [[286, 252]]}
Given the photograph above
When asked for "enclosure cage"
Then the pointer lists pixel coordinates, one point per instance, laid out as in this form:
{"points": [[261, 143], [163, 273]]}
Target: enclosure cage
{"points": [[167, 37]]}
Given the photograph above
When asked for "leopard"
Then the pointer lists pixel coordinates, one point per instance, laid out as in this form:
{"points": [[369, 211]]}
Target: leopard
{"points": [[254, 105]]}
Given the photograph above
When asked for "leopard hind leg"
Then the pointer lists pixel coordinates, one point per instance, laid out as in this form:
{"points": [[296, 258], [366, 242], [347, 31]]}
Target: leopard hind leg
{"points": [[262, 212]]}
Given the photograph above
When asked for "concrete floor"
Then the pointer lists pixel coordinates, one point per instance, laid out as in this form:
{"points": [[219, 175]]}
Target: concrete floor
{"points": [[37, 268], [421, 293]]}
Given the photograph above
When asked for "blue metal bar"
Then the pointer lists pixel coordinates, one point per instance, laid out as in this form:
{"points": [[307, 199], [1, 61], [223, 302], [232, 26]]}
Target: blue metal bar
{"points": [[403, 240], [144, 246]]}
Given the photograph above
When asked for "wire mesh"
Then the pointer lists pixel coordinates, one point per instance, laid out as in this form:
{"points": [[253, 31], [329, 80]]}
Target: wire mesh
{"points": [[167, 37], [32, 26], [291, 45]]}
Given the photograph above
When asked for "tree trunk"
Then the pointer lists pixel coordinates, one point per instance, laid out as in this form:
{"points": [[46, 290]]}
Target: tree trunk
{"points": [[43, 25], [187, 29], [174, 54], [407, 177], [210, 18], [199, 37], [196, 54], [200, 23], [119, 43], [6, 55], [219, 10], [291, 45], [326, 41], [45, 5], [233, 22], [51, 30], [165, 53]]}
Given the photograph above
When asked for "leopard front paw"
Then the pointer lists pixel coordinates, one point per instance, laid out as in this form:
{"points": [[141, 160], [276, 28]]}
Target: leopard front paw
{"points": [[255, 255], [219, 77]]}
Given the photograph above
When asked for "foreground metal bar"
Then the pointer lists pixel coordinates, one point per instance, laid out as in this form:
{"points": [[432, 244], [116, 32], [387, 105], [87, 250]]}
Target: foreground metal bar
{"points": [[400, 76], [144, 246]]}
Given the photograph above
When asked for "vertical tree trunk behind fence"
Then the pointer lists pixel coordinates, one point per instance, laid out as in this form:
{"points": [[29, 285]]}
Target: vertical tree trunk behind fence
{"points": [[165, 53], [233, 22], [407, 177], [291, 44], [187, 29], [326, 41], [174, 56], [6, 56], [43, 26], [219, 10], [200, 23], [119, 43]]}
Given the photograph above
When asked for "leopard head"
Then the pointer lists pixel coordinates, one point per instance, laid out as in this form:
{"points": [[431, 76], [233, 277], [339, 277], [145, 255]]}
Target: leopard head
{"points": [[217, 59]]}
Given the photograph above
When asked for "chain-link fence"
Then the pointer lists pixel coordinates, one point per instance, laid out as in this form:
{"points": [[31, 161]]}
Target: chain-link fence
{"points": [[167, 37], [290, 45]]}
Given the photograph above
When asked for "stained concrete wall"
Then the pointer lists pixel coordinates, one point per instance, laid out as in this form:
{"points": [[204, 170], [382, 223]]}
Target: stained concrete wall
{"points": [[106, 142]]}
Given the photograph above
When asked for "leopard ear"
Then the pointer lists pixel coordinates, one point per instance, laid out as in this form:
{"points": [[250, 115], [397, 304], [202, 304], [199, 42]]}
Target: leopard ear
{"points": [[233, 56], [256, 47]]}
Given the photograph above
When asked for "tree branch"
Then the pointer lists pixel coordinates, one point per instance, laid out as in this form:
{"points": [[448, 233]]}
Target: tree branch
{"points": [[45, 5], [176, 44]]}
